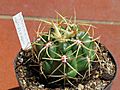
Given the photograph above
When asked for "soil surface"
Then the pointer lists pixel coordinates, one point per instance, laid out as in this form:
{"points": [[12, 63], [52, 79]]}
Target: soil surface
{"points": [[102, 73]]}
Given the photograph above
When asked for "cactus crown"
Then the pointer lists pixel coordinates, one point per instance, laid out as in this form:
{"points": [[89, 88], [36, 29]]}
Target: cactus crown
{"points": [[65, 51]]}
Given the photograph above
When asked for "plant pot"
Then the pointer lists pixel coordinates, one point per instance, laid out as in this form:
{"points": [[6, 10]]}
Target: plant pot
{"points": [[24, 83], [108, 87]]}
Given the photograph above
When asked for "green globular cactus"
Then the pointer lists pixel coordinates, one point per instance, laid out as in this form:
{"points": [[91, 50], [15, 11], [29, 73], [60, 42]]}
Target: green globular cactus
{"points": [[65, 51]]}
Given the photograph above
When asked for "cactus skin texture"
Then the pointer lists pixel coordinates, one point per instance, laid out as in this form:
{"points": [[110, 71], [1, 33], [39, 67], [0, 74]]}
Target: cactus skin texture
{"points": [[66, 50]]}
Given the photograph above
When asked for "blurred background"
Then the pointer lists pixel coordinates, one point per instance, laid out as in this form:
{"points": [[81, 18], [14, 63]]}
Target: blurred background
{"points": [[104, 14]]}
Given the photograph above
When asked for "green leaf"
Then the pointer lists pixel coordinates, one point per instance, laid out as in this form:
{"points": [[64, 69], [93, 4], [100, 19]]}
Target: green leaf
{"points": [[53, 49], [63, 46], [72, 73], [92, 53], [39, 45], [45, 38], [80, 35], [73, 63], [69, 55], [47, 67], [81, 64], [74, 47]]}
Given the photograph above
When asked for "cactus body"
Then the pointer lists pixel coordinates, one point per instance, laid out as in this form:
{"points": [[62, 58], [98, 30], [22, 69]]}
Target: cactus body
{"points": [[66, 50]]}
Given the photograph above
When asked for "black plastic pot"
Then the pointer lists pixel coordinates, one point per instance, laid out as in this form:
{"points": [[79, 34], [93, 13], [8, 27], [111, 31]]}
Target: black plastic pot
{"points": [[108, 87]]}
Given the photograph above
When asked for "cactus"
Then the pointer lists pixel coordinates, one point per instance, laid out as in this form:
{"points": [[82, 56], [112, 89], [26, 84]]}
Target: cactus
{"points": [[65, 51]]}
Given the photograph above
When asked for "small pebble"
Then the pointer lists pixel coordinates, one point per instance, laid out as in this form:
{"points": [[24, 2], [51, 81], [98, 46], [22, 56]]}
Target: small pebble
{"points": [[21, 53], [41, 86], [21, 60], [80, 87]]}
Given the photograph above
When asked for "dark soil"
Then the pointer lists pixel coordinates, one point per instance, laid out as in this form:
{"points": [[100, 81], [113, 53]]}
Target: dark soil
{"points": [[27, 69]]}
